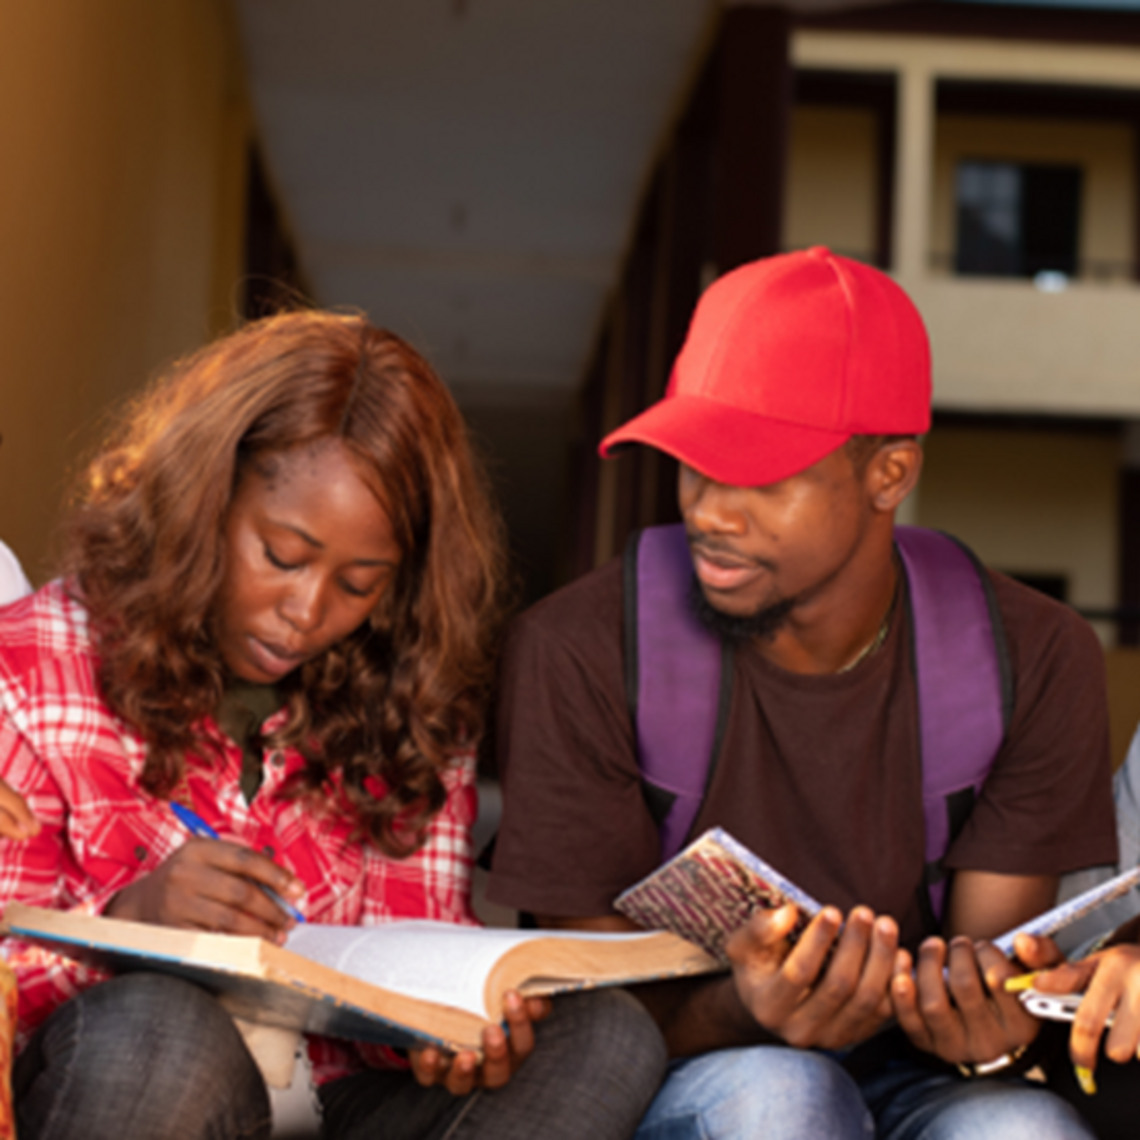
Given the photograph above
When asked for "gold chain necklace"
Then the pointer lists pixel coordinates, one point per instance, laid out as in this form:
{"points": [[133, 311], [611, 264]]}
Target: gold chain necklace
{"points": [[874, 644]]}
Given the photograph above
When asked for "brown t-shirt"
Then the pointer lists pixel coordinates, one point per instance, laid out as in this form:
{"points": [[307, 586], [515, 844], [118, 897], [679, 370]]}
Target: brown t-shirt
{"points": [[817, 774]]}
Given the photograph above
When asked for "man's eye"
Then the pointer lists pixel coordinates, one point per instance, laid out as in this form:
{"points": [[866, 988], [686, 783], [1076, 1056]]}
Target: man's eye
{"points": [[280, 563]]}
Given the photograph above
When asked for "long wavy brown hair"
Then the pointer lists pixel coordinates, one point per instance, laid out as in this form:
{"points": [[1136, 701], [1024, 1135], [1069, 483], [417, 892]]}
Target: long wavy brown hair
{"points": [[146, 551]]}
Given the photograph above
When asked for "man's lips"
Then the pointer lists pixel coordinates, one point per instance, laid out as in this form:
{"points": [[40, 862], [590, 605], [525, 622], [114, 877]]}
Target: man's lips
{"points": [[719, 570]]}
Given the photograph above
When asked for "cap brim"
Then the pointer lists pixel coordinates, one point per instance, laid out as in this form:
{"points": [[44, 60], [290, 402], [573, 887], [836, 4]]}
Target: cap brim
{"points": [[725, 443]]}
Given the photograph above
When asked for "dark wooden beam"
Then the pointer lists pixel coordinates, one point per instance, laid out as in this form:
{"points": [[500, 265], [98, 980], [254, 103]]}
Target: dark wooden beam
{"points": [[755, 99]]}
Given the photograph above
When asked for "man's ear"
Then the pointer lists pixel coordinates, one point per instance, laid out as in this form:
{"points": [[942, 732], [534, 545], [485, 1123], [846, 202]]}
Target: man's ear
{"points": [[892, 473]]}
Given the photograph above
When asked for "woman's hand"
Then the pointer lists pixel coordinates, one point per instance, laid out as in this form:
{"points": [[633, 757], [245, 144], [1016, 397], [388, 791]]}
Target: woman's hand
{"points": [[16, 818], [1110, 981], [210, 884], [503, 1052]]}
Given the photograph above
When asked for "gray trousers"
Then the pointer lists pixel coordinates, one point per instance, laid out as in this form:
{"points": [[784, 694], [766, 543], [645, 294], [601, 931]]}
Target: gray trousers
{"points": [[147, 1057]]}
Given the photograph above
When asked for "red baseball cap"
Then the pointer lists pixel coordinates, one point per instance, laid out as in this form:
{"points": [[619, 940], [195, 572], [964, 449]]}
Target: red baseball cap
{"points": [[785, 360]]}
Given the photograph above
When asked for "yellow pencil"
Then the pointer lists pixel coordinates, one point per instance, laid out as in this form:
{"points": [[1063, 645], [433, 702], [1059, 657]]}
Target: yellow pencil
{"points": [[1021, 983]]}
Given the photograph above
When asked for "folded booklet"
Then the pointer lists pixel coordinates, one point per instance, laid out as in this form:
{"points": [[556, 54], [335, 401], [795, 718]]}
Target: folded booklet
{"points": [[716, 884], [709, 890]]}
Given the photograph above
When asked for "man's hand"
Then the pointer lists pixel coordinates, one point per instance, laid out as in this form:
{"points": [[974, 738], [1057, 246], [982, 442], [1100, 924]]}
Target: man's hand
{"points": [[214, 885], [954, 1004], [829, 990], [16, 818], [503, 1052], [1110, 981]]}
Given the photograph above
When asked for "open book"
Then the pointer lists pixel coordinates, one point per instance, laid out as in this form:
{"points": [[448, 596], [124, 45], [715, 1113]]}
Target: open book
{"points": [[401, 983], [716, 884]]}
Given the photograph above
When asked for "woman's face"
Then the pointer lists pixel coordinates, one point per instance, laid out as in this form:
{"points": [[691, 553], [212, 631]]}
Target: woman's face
{"points": [[309, 553]]}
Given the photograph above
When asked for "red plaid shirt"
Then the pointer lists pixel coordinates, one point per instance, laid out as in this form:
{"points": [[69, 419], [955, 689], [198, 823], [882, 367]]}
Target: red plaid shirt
{"points": [[79, 766]]}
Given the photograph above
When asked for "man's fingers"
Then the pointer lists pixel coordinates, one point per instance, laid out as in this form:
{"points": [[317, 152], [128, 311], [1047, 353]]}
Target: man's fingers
{"points": [[851, 999], [935, 1007], [763, 935], [1037, 952], [904, 1001]]}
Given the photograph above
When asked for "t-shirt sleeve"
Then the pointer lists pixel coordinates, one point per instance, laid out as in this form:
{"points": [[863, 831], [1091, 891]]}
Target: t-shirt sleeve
{"points": [[1046, 807], [575, 829]]}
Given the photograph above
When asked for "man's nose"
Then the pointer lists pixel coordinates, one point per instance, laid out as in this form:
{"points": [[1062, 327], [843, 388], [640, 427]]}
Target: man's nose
{"points": [[711, 509]]}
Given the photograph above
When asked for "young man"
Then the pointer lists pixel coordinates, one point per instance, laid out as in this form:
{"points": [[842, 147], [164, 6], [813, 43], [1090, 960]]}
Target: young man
{"points": [[793, 410]]}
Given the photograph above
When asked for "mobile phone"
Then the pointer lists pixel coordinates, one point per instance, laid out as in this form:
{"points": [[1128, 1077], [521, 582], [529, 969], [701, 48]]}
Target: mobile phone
{"points": [[1054, 1007]]}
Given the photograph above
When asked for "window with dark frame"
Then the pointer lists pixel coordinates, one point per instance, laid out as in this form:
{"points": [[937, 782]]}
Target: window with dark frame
{"points": [[1017, 219]]}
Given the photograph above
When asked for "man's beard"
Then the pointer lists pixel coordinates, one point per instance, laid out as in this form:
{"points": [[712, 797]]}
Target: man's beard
{"points": [[763, 623]]}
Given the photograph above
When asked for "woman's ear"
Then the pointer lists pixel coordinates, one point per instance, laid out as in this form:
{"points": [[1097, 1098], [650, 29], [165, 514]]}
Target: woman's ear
{"points": [[892, 473]]}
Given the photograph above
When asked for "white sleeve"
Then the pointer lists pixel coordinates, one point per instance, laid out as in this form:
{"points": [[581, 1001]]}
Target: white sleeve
{"points": [[13, 583]]}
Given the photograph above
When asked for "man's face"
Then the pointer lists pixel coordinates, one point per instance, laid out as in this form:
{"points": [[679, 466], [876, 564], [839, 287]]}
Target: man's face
{"points": [[779, 548]]}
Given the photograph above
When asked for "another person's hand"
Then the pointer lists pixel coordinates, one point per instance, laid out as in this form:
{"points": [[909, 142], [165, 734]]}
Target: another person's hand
{"points": [[954, 1005], [1110, 981], [829, 990], [211, 884], [503, 1051], [16, 818]]}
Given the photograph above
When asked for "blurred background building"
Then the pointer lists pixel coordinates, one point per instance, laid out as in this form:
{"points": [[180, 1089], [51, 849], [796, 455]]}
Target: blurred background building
{"points": [[535, 194]]}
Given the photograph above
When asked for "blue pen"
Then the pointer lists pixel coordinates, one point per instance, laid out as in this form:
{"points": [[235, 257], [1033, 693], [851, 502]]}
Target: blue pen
{"points": [[196, 825]]}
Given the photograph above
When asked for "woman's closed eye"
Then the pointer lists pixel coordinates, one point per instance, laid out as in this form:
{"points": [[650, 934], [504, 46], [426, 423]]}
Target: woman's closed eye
{"points": [[275, 560], [357, 591]]}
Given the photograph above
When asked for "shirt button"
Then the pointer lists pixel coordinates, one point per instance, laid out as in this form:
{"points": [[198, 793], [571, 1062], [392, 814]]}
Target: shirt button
{"points": [[276, 759], [140, 853]]}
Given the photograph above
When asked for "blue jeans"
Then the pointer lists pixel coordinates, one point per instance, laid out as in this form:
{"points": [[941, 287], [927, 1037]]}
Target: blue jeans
{"points": [[775, 1093]]}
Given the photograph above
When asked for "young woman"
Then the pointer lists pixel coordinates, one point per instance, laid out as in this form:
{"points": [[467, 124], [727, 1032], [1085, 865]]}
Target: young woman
{"points": [[279, 608]]}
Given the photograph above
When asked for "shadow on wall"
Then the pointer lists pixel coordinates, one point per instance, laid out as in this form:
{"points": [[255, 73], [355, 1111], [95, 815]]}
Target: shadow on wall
{"points": [[523, 437]]}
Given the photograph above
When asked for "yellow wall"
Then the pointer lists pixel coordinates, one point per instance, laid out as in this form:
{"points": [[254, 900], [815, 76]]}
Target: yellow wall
{"points": [[123, 127], [1102, 150], [831, 187], [1035, 502]]}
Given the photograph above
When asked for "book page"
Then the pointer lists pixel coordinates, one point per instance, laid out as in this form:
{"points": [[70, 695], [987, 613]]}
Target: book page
{"points": [[434, 961]]}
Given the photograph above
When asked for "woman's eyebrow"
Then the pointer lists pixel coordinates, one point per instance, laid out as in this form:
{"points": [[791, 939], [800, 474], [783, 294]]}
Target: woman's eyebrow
{"points": [[301, 533]]}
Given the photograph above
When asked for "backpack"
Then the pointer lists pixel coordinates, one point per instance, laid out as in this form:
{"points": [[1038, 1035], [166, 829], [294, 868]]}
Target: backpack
{"points": [[679, 681]]}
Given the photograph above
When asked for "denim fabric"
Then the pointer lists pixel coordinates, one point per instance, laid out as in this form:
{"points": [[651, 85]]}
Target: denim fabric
{"points": [[911, 1102], [777, 1093], [140, 1057], [598, 1061], [770, 1092]]}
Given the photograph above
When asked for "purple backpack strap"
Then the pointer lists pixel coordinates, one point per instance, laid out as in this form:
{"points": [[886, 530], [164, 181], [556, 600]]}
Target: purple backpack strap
{"points": [[964, 687], [673, 681], [679, 684]]}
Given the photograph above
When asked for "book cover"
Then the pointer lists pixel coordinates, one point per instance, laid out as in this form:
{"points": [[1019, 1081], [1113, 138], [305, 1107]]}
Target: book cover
{"points": [[710, 889]]}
